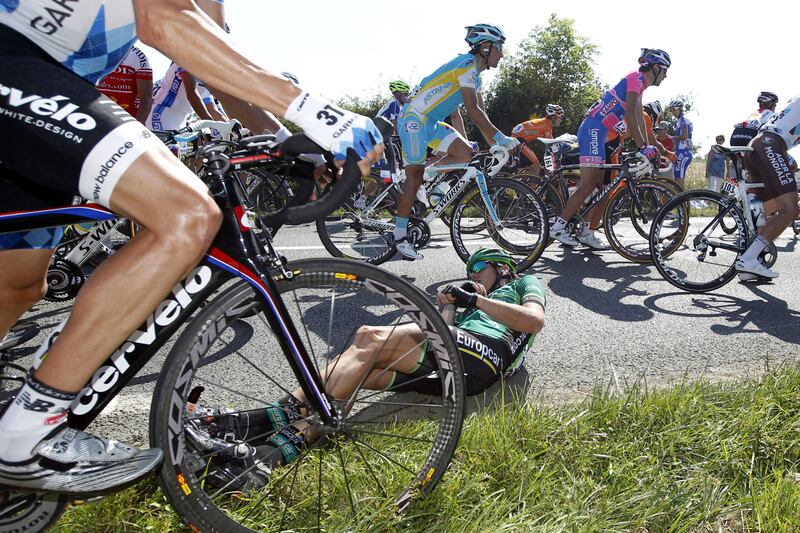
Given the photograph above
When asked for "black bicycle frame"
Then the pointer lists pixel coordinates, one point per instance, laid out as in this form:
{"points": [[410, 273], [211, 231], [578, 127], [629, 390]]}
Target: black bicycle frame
{"points": [[235, 252], [622, 174]]}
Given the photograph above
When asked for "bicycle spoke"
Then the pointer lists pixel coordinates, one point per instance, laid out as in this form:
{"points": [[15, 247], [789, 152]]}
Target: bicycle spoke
{"points": [[380, 454], [392, 435], [346, 479]]}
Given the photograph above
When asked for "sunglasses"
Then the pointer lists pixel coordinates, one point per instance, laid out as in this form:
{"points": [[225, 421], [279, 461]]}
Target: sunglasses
{"points": [[477, 267]]}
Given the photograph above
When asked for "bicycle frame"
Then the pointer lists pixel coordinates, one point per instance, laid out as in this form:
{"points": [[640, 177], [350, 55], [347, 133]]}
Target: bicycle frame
{"points": [[471, 172], [236, 252]]}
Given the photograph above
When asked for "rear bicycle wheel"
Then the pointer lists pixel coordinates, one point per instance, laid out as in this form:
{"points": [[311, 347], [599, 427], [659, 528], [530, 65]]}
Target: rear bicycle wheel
{"points": [[355, 231], [626, 222], [227, 372], [689, 244], [549, 194], [523, 229]]}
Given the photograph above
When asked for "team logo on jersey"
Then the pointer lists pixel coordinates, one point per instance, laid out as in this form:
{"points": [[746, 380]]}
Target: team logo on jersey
{"points": [[412, 126], [9, 6]]}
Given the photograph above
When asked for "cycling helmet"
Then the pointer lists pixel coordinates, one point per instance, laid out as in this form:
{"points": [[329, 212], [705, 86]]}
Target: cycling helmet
{"points": [[653, 108], [491, 255], [676, 103], [654, 56], [480, 33], [554, 109], [767, 98], [291, 77], [399, 86]]}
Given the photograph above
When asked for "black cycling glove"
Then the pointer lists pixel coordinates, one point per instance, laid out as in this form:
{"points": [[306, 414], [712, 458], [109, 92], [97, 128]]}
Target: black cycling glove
{"points": [[465, 295]]}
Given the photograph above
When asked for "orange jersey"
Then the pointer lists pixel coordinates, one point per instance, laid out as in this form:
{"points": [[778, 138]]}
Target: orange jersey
{"points": [[534, 129]]}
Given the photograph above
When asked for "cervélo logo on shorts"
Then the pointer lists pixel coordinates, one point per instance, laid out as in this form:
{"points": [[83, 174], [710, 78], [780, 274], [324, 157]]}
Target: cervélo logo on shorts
{"points": [[57, 108]]}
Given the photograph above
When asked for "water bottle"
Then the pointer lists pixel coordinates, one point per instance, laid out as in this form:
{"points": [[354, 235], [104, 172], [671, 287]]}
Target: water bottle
{"points": [[757, 208], [438, 192]]}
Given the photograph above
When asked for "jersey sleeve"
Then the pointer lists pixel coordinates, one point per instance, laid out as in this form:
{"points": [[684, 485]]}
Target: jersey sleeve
{"points": [[143, 70], [529, 289], [636, 83], [469, 77]]}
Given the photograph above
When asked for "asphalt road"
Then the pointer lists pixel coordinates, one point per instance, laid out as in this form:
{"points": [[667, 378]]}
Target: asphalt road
{"points": [[608, 322]]}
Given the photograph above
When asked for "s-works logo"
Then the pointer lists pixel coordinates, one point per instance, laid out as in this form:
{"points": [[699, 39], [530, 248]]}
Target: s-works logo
{"points": [[57, 108]]}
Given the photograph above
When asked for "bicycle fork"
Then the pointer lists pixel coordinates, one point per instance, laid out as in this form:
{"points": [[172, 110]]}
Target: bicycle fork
{"points": [[480, 179]]}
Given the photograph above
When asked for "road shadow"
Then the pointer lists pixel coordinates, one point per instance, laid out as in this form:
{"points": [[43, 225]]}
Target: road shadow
{"points": [[571, 276], [762, 314]]}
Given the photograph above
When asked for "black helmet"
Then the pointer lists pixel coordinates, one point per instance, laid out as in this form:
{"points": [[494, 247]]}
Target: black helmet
{"points": [[767, 98]]}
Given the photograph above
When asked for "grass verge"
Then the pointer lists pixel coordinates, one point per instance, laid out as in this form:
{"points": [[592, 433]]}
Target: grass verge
{"points": [[693, 457]]}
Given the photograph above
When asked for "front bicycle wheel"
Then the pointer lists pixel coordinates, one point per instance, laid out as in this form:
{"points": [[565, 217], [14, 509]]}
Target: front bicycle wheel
{"points": [[627, 220], [689, 242], [360, 230], [522, 230], [227, 388]]}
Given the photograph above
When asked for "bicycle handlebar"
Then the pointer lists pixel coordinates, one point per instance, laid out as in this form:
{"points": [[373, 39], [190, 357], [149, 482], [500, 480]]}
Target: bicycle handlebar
{"points": [[338, 192], [501, 155]]}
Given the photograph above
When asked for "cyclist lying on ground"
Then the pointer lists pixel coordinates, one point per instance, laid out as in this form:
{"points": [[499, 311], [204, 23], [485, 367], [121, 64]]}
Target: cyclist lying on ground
{"points": [[502, 313], [82, 143]]}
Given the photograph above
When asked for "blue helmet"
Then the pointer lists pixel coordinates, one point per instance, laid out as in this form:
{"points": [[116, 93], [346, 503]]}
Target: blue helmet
{"points": [[480, 33], [654, 56]]}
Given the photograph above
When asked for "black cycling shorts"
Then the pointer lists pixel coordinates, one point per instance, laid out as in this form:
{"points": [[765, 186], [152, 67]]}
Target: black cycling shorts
{"points": [[59, 136], [484, 360], [769, 163]]}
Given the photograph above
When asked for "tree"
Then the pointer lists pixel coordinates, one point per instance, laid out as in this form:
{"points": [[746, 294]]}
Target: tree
{"points": [[554, 65]]}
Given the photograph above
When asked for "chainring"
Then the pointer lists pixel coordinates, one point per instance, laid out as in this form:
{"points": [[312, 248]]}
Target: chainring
{"points": [[769, 255], [418, 232], [64, 280]]}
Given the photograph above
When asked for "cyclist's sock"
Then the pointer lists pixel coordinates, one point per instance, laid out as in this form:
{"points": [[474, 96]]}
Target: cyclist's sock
{"points": [[559, 224], [755, 249], [35, 412], [400, 228], [282, 448]]}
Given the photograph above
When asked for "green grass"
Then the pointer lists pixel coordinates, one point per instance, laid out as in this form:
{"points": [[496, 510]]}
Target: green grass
{"points": [[694, 457]]}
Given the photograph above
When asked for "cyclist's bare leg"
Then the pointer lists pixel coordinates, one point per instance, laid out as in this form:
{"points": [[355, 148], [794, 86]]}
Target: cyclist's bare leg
{"points": [[413, 181], [23, 283], [457, 152], [590, 178], [786, 209], [180, 220]]}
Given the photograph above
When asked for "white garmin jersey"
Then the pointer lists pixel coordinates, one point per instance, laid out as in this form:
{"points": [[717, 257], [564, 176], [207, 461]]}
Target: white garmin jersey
{"points": [[786, 123], [89, 37]]}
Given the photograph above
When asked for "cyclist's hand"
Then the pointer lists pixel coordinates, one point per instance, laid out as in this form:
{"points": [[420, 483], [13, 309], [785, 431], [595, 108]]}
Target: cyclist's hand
{"points": [[473, 286], [337, 130], [460, 297], [650, 152], [671, 156], [509, 143]]}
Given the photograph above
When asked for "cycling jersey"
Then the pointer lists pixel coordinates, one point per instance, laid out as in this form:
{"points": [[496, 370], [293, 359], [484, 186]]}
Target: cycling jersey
{"points": [[530, 130], [756, 119], [390, 110], [520, 291], [610, 108], [87, 37], [170, 103], [683, 125], [786, 123], [439, 94], [121, 85]]}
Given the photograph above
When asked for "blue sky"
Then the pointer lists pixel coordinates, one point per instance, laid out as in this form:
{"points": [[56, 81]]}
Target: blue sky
{"points": [[723, 53]]}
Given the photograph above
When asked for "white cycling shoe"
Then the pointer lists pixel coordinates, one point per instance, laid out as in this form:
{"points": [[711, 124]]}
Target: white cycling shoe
{"points": [[407, 250], [755, 267], [591, 240], [564, 237], [69, 461]]}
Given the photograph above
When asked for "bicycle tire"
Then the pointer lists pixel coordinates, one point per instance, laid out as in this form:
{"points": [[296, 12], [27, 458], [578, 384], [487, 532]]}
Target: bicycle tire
{"points": [[366, 294], [688, 227], [524, 232], [634, 245], [348, 233], [30, 511]]}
